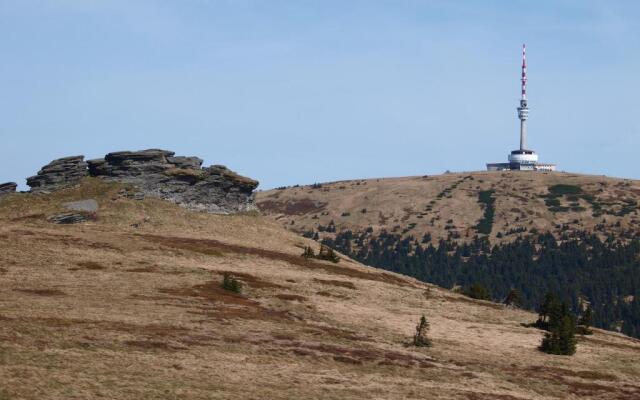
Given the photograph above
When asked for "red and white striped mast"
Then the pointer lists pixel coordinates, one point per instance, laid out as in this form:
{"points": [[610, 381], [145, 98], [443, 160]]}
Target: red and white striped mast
{"points": [[523, 110]]}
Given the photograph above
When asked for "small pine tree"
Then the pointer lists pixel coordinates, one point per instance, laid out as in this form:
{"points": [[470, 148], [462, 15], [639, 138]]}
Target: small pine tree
{"points": [[585, 321], [308, 252], [327, 253], [545, 309], [514, 298], [561, 338], [420, 339], [231, 284]]}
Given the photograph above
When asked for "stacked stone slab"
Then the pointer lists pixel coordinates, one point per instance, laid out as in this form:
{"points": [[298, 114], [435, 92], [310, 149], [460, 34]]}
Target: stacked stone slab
{"points": [[7, 188], [59, 174], [182, 180]]}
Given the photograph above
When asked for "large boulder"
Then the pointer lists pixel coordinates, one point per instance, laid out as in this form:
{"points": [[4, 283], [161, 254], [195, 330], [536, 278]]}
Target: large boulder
{"points": [[6, 188], [59, 174], [182, 180]]}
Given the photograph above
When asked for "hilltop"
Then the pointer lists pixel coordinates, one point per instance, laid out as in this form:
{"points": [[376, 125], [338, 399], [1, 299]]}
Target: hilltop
{"points": [[452, 205], [128, 305]]}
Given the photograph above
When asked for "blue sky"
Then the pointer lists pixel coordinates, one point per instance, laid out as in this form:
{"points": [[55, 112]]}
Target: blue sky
{"points": [[302, 91]]}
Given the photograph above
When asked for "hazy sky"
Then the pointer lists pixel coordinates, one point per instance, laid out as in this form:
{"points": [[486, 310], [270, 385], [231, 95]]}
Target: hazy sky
{"points": [[302, 91]]}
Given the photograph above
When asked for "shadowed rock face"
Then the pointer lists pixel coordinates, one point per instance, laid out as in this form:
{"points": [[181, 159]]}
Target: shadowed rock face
{"points": [[6, 188], [58, 174], [182, 180]]}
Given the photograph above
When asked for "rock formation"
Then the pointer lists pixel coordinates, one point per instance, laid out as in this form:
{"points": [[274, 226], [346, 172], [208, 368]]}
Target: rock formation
{"points": [[58, 174], [6, 188], [182, 180], [155, 173]]}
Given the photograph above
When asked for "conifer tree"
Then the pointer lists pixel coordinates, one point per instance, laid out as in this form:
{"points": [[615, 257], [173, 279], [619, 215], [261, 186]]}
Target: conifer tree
{"points": [[231, 284], [308, 252], [548, 307], [420, 339], [561, 326], [514, 298], [585, 321]]}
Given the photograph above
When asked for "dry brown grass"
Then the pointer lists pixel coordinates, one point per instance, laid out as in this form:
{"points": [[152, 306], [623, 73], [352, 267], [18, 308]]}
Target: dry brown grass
{"points": [[413, 203], [130, 306]]}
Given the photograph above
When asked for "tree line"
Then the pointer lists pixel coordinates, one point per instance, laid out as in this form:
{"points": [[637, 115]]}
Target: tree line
{"points": [[580, 270]]}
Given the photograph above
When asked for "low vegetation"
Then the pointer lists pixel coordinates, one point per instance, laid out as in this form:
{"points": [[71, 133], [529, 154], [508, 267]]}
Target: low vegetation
{"points": [[486, 199], [231, 284], [325, 253], [420, 339], [556, 318]]}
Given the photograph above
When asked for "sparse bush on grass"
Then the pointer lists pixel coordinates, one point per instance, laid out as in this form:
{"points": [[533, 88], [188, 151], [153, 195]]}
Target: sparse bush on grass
{"points": [[326, 253], [563, 189], [231, 284], [308, 252], [420, 339]]}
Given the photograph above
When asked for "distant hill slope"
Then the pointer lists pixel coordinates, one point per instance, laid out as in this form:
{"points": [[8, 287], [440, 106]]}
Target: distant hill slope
{"points": [[450, 205], [129, 305], [575, 235]]}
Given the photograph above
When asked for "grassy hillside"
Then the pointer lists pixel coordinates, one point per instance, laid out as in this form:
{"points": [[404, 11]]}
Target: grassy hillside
{"points": [[129, 306], [454, 205], [574, 235]]}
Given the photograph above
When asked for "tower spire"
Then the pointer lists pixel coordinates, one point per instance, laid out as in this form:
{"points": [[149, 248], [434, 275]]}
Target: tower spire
{"points": [[523, 110], [524, 72]]}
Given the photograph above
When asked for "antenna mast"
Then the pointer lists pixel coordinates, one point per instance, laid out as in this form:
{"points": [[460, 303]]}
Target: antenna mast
{"points": [[523, 110]]}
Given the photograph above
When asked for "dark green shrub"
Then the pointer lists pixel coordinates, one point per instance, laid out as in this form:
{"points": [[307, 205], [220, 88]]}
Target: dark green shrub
{"points": [[308, 252], [420, 339], [562, 189], [328, 254], [560, 339], [231, 284]]}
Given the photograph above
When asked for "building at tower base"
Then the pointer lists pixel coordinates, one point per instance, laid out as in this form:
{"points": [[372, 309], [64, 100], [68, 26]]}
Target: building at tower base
{"points": [[522, 159]]}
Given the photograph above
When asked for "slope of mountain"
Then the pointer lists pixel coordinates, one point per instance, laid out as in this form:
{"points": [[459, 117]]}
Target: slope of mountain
{"points": [[575, 235], [128, 305], [450, 205]]}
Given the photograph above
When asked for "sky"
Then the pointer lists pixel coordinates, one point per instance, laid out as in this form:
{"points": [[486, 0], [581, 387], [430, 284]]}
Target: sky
{"points": [[301, 91]]}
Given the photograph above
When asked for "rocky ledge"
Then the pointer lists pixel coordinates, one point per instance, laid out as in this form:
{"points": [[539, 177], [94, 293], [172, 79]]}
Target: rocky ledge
{"points": [[156, 173], [59, 174], [6, 188]]}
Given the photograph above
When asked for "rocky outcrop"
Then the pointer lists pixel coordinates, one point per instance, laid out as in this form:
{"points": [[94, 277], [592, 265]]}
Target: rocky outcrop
{"points": [[59, 174], [155, 173], [182, 180], [6, 188]]}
